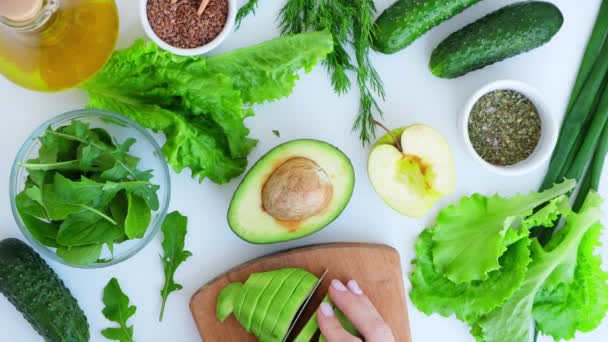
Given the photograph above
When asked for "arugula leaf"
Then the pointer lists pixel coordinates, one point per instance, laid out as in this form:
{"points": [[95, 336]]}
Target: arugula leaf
{"points": [[55, 148], [513, 317], [434, 292], [44, 232], [174, 233], [117, 309], [119, 207], [65, 197], [80, 255], [124, 167], [470, 237], [200, 103], [143, 189], [86, 228], [138, 217], [31, 202]]}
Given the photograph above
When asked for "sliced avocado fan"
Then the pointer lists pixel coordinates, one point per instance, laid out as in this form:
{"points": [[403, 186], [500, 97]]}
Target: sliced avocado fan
{"points": [[268, 301]]}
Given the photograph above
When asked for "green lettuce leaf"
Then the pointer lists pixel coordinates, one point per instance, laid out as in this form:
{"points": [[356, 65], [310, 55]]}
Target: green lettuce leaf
{"points": [[470, 237], [433, 292], [560, 310], [200, 103], [254, 72], [514, 316]]}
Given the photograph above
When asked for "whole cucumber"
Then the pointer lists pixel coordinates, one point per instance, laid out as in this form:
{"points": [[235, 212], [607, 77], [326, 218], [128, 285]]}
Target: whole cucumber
{"points": [[38, 293], [510, 31], [406, 20]]}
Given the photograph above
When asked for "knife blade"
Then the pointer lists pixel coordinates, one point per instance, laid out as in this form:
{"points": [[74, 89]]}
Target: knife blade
{"points": [[303, 307]]}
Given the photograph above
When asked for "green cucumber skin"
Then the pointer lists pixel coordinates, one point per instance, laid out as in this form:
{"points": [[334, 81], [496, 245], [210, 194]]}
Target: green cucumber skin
{"points": [[508, 32], [406, 20], [38, 293]]}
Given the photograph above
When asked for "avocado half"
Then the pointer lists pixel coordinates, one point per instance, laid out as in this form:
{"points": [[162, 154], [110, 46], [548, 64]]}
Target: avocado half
{"points": [[296, 189]]}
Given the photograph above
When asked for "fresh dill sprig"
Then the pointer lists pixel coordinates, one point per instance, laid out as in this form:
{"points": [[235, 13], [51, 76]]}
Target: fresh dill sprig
{"points": [[367, 76], [245, 10], [343, 19]]}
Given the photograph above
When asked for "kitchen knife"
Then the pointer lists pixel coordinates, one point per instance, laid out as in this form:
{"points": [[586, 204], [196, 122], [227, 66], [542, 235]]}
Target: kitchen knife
{"points": [[301, 310]]}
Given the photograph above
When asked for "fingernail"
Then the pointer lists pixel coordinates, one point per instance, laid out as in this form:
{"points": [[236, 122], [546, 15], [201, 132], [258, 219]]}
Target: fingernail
{"points": [[354, 287], [326, 310], [336, 284]]}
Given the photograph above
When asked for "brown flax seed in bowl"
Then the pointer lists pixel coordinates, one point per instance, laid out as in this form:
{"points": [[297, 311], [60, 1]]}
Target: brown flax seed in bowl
{"points": [[179, 25]]}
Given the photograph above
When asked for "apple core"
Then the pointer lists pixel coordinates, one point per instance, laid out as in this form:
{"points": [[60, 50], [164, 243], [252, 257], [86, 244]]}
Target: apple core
{"points": [[298, 189]]}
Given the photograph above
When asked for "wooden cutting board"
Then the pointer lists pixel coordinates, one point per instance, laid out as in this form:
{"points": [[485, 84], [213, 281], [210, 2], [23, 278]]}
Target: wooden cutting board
{"points": [[377, 268]]}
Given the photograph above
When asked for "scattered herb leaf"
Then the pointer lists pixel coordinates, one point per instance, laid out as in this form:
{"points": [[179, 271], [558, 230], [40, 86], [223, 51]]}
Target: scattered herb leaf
{"points": [[174, 233], [117, 309], [276, 132]]}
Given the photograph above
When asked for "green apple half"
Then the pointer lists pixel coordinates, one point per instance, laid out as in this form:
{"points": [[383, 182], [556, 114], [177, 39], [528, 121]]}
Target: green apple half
{"points": [[412, 180]]}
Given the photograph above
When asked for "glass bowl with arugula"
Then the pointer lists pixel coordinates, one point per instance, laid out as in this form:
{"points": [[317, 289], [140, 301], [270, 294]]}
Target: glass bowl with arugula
{"points": [[89, 188]]}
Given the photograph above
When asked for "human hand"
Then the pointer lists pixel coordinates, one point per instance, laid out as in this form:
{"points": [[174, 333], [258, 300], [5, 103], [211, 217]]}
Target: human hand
{"points": [[358, 309]]}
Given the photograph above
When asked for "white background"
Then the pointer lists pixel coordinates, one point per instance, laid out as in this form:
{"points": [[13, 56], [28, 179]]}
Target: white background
{"points": [[312, 111]]}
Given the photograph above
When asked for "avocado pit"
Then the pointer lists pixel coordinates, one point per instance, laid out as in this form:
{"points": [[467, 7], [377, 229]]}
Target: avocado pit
{"points": [[298, 189]]}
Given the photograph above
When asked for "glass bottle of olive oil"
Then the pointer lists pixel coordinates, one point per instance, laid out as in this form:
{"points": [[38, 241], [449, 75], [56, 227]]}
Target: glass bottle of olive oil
{"points": [[52, 45]]}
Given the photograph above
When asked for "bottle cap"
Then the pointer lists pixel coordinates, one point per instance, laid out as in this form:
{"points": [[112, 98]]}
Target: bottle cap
{"points": [[20, 10]]}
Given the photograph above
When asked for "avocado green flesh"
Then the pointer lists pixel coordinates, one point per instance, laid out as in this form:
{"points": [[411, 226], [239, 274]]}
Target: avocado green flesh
{"points": [[292, 306], [406, 20], [253, 298], [281, 299], [311, 327], [225, 301], [246, 215], [240, 299], [510, 31], [269, 295]]}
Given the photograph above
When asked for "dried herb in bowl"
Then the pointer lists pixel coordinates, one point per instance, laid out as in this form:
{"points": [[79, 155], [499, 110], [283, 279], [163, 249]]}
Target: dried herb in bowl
{"points": [[504, 127], [178, 24]]}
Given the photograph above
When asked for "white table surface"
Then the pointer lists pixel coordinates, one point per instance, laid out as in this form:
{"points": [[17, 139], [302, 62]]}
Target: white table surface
{"points": [[312, 111]]}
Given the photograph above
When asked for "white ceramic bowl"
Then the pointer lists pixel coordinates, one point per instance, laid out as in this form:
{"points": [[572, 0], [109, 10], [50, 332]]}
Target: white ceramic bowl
{"points": [[228, 28], [548, 136]]}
